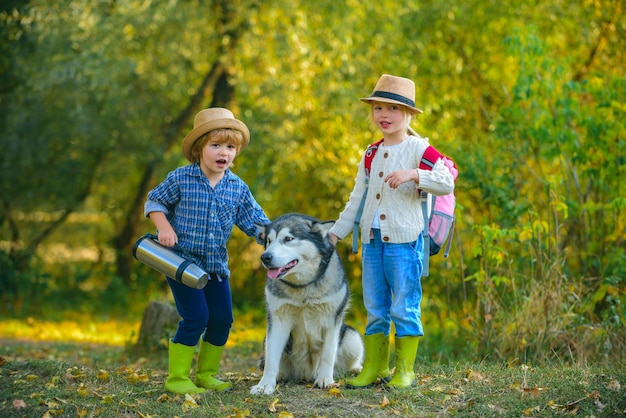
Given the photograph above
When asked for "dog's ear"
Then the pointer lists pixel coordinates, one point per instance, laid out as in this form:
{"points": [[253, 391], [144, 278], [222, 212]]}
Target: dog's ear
{"points": [[323, 227], [260, 234]]}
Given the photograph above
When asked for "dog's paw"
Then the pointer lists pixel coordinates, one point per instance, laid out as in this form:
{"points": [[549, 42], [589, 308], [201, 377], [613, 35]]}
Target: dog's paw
{"points": [[263, 389], [324, 382]]}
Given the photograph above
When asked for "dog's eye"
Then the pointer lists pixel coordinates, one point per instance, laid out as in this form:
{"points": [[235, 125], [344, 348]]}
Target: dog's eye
{"points": [[268, 241], [287, 239]]}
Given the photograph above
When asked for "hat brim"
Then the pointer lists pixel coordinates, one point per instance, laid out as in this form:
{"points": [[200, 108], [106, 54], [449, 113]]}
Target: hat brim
{"points": [[370, 100], [200, 130]]}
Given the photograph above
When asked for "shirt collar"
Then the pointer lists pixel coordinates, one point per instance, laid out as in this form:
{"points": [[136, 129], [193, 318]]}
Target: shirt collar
{"points": [[196, 171]]}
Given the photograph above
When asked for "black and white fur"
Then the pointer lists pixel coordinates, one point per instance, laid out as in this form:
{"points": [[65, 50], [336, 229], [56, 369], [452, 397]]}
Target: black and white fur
{"points": [[307, 297]]}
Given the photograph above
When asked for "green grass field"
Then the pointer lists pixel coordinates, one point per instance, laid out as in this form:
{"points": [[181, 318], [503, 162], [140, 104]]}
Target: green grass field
{"points": [[90, 379]]}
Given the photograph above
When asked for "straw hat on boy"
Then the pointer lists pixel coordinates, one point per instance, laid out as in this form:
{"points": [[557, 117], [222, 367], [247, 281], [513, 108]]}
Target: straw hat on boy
{"points": [[392, 89], [210, 119]]}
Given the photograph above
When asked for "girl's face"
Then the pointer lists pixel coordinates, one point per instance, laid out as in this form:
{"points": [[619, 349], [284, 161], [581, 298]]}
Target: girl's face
{"points": [[216, 157], [389, 117]]}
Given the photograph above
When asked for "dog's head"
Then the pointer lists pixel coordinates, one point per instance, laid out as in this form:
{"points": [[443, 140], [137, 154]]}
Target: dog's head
{"points": [[295, 244]]}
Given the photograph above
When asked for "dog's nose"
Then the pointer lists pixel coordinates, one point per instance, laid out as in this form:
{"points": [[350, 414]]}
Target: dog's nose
{"points": [[266, 258]]}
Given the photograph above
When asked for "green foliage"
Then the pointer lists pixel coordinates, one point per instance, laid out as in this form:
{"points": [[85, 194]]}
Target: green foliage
{"points": [[566, 159], [526, 98]]}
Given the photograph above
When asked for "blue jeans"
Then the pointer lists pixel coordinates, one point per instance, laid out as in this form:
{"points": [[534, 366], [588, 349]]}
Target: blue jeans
{"points": [[207, 310], [392, 287]]}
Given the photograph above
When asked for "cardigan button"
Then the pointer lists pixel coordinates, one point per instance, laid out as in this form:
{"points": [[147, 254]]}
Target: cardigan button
{"points": [[378, 196], [383, 217], [381, 174], [386, 155], [386, 239]]}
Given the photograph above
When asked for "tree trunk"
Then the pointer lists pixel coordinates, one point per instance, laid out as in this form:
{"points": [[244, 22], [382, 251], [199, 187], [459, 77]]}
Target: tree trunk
{"points": [[157, 326], [215, 85]]}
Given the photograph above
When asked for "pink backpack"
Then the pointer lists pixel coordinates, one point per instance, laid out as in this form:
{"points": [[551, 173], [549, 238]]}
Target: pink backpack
{"points": [[441, 214]]}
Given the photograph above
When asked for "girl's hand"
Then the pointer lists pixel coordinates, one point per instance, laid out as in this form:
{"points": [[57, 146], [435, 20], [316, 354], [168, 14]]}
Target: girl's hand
{"points": [[333, 239], [396, 178]]}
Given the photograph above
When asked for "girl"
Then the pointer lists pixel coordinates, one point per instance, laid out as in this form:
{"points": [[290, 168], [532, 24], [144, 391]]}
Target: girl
{"points": [[195, 208], [391, 226]]}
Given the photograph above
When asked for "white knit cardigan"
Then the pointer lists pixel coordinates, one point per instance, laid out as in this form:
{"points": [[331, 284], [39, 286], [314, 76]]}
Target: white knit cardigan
{"points": [[399, 210]]}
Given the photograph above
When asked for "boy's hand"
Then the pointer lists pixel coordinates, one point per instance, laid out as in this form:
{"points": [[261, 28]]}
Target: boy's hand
{"points": [[168, 238], [333, 239], [166, 235]]}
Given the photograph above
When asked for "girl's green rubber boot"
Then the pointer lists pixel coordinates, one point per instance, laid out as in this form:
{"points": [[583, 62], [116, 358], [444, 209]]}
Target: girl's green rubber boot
{"points": [[376, 364], [406, 351]]}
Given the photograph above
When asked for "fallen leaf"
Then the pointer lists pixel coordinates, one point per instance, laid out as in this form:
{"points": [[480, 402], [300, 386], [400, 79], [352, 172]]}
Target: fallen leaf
{"points": [[335, 392], [189, 403], [75, 373], [534, 391], [594, 395], [384, 402], [614, 385], [103, 375], [19, 404], [82, 390], [529, 412], [273, 405], [238, 413], [474, 375]]}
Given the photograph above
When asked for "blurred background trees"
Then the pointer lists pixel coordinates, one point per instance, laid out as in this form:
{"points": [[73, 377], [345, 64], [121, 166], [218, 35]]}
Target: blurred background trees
{"points": [[528, 99]]}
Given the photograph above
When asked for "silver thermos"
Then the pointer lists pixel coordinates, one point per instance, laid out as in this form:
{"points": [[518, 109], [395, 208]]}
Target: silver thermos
{"points": [[162, 259]]}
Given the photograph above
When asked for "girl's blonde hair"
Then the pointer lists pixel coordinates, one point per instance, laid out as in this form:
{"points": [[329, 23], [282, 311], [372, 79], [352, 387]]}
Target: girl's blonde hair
{"points": [[221, 136]]}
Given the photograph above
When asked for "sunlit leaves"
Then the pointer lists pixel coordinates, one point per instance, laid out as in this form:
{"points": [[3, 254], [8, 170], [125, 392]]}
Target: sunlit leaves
{"points": [[533, 114], [189, 403], [103, 375]]}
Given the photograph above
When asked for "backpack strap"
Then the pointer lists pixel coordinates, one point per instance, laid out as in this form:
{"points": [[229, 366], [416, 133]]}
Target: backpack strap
{"points": [[424, 200], [447, 251], [367, 164], [429, 158], [355, 228]]}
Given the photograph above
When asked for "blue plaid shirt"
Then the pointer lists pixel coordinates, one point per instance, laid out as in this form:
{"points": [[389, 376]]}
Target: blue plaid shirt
{"points": [[203, 217]]}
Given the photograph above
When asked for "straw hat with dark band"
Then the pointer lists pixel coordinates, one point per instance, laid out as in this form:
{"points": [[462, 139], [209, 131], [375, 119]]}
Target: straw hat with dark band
{"points": [[210, 119], [392, 89]]}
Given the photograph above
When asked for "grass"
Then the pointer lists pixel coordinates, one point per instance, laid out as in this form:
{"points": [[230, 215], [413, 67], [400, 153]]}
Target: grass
{"points": [[48, 379]]}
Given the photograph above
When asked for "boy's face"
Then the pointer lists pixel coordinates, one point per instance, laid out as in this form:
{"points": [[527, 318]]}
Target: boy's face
{"points": [[216, 156]]}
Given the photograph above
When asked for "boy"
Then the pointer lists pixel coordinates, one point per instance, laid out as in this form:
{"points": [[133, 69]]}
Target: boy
{"points": [[194, 210]]}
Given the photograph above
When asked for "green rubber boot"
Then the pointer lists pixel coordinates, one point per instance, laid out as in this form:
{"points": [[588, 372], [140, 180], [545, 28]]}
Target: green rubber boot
{"points": [[406, 350], [207, 367], [376, 364], [180, 359]]}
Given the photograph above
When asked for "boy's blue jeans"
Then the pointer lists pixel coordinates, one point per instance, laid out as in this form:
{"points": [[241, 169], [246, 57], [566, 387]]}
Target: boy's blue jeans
{"points": [[392, 287], [207, 309]]}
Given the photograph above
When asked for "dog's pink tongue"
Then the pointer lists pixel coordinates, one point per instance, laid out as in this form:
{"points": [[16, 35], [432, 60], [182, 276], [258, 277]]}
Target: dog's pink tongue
{"points": [[273, 273]]}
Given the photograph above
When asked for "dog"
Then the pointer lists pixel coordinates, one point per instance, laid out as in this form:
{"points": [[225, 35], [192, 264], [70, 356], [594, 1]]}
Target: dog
{"points": [[307, 297]]}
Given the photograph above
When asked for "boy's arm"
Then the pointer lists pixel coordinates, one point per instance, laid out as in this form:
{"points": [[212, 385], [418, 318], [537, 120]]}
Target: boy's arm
{"points": [[166, 234]]}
